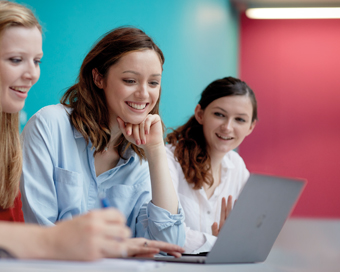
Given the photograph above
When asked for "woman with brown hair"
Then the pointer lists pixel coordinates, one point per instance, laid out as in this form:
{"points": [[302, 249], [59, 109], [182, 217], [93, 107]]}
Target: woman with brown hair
{"points": [[203, 166], [105, 139], [95, 235]]}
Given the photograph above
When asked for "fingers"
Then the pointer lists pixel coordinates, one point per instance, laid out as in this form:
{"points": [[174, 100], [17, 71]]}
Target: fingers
{"points": [[229, 205], [148, 122], [116, 232], [136, 133], [214, 229], [165, 247], [142, 133], [175, 254], [159, 245], [114, 249], [223, 211], [111, 223], [111, 215], [141, 251]]}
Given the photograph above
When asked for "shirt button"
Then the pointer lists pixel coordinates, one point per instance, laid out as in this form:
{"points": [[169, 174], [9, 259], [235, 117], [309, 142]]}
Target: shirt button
{"points": [[208, 212]]}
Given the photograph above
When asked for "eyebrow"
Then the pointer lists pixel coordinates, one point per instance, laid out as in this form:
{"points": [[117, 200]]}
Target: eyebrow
{"points": [[227, 112], [21, 52], [136, 73]]}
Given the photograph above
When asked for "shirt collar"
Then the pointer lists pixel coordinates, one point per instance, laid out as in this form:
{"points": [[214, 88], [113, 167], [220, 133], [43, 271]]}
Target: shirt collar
{"points": [[76, 133], [227, 163], [128, 155]]}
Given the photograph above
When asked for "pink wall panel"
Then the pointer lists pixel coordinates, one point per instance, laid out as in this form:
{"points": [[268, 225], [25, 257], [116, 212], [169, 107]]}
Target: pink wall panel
{"points": [[294, 68]]}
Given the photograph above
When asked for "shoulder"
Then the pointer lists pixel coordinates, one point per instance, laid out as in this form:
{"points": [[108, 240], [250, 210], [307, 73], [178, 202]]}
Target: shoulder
{"points": [[170, 150], [53, 113], [51, 116], [49, 121]]}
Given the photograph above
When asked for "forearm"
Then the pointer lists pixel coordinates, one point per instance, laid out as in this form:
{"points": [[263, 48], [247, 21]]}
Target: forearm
{"points": [[25, 241], [163, 191]]}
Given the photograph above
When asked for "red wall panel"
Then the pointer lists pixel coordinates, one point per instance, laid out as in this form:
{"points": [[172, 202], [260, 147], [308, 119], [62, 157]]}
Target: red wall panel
{"points": [[294, 68]]}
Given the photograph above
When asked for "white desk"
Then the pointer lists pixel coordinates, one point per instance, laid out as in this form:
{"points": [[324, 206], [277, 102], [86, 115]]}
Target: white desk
{"points": [[304, 245]]}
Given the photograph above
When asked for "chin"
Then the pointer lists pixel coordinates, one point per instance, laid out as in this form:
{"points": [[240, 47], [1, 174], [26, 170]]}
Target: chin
{"points": [[134, 120], [12, 108]]}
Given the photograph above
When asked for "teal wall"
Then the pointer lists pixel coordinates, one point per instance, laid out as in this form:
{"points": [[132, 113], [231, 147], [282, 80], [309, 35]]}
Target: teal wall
{"points": [[199, 39]]}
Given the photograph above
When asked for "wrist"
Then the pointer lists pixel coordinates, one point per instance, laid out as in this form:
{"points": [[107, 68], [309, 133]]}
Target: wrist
{"points": [[154, 149]]}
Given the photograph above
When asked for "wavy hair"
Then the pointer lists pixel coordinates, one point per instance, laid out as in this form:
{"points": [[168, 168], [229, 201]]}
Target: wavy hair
{"points": [[11, 15], [90, 115], [190, 145]]}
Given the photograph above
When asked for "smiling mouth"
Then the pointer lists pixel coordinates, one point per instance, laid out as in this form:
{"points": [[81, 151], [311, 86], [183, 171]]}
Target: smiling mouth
{"points": [[137, 106], [20, 89], [224, 138]]}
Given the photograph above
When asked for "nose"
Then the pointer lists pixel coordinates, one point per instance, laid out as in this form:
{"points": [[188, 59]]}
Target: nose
{"points": [[142, 91], [227, 125], [32, 72]]}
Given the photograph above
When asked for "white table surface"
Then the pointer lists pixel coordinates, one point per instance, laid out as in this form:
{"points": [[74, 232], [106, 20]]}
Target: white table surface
{"points": [[303, 245]]}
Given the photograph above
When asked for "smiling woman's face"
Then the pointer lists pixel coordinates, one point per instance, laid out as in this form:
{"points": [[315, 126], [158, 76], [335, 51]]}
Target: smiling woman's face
{"points": [[20, 55], [226, 122], [132, 86]]}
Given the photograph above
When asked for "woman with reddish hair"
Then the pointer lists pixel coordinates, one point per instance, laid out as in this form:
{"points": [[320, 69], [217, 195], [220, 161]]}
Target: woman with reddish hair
{"points": [[203, 166]]}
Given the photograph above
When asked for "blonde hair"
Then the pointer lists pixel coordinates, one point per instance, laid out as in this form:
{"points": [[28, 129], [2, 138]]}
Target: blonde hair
{"points": [[11, 15]]}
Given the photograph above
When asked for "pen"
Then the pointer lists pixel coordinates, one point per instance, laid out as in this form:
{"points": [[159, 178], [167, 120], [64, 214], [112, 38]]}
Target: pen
{"points": [[104, 201]]}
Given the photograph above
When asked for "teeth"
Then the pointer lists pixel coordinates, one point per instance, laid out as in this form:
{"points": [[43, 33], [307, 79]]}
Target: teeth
{"points": [[20, 89], [137, 106], [224, 138]]}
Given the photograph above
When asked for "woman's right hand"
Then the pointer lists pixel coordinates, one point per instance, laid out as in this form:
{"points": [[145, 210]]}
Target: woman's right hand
{"points": [[225, 210], [98, 234], [95, 235], [141, 247]]}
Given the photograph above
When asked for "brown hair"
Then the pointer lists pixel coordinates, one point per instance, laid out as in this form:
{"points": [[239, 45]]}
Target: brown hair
{"points": [[90, 115], [11, 15], [189, 141]]}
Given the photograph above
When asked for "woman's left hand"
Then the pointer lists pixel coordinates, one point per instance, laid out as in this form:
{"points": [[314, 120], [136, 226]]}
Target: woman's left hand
{"points": [[225, 210], [147, 134]]}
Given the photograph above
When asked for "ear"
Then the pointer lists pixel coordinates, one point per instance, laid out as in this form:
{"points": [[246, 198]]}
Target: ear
{"points": [[97, 78], [199, 114], [252, 126]]}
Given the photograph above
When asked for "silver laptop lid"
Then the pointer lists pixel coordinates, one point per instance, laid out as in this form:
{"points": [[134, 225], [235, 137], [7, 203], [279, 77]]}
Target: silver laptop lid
{"points": [[256, 219]]}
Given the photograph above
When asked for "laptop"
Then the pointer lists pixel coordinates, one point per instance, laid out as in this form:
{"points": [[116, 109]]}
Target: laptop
{"points": [[254, 223]]}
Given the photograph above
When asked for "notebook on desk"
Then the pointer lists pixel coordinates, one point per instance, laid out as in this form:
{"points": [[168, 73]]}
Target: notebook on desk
{"points": [[253, 225]]}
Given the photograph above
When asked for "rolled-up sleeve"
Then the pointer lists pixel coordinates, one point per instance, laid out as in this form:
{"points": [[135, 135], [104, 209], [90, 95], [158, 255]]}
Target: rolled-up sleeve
{"points": [[159, 224]]}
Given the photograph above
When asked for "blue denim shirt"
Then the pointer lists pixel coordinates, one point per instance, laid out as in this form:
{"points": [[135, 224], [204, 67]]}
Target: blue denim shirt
{"points": [[59, 180]]}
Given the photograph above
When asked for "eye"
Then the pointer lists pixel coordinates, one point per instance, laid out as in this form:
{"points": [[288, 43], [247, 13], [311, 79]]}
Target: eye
{"points": [[154, 83], [37, 62], [129, 81], [218, 114], [15, 60], [239, 119]]}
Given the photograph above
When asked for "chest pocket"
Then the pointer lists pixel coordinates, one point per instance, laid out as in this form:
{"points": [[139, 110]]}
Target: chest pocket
{"points": [[128, 199], [69, 189]]}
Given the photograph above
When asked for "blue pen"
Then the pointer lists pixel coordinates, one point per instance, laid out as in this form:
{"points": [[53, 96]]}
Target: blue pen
{"points": [[103, 200]]}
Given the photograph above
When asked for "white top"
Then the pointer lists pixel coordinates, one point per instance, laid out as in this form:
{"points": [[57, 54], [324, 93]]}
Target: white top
{"points": [[201, 212]]}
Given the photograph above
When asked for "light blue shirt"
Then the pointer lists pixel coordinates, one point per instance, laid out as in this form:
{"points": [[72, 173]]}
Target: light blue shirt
{"points": [[59, 180]]}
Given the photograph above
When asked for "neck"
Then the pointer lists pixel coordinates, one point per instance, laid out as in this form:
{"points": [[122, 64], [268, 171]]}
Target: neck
{"points": [[115, 132], [215, 160]]}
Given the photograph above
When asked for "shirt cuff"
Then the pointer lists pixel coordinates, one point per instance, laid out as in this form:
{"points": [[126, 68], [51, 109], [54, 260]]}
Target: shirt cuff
{"points": [[162, 218], [209, 243]]}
